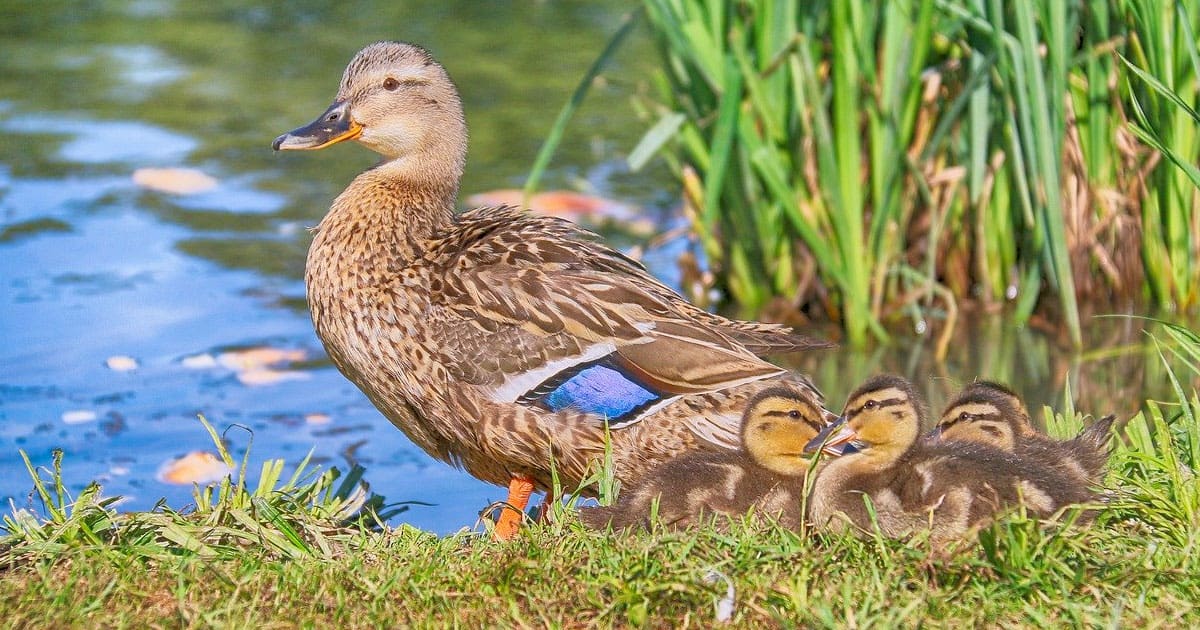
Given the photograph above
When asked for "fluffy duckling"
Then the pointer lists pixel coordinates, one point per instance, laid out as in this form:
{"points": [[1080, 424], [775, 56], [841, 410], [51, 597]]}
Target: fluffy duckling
{"points": [[991, 413], [766, 475], [949, 488]]}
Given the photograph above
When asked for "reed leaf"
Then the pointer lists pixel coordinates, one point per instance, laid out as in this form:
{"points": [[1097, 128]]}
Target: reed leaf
{"points": [[978, 141]]}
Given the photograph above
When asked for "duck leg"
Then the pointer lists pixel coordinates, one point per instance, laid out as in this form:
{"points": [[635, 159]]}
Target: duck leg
{"points": [[513, 511], [547, 505]]}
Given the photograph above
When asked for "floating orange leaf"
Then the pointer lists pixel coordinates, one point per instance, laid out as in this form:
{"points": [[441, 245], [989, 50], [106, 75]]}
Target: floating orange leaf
{"points": [[178, 181], [573, 206], [121, 363], [257, 377], [252, 358], [195, 467]]}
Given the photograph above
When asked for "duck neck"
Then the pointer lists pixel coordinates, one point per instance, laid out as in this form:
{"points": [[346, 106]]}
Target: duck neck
{"points": [[391, 211], [872, 461], [785, 465]]}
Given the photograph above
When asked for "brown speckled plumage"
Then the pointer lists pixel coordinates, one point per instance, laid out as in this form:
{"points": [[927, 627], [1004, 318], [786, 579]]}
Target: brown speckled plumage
{"points": [[437, 317], [990, 413], [766, 475], [948, 488]]}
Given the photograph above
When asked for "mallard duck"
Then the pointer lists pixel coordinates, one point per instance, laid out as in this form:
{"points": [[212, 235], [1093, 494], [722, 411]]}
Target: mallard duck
{"points": [[500, 341], [991, 413], [949, 488], [766, 475]]}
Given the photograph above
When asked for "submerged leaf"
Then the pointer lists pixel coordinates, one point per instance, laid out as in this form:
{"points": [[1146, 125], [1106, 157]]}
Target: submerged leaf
{"points": [[178, 181], [121, 363], [195, 467]]}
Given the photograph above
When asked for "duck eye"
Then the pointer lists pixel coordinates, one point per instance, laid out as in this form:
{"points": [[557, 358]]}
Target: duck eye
{"points": [[390, 84], [871, 404], [794, 415], [964, 416]]}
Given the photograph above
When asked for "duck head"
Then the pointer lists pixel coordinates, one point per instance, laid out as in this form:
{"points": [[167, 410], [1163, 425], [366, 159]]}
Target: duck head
{"points": [[881, 421], [987, 413], [776, 426], [396, 100]]}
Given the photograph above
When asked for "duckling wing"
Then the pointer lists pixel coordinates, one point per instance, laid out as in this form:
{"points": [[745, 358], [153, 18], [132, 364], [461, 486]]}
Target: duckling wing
{"points": [[530, 310], [687, 490], [1090, 448], [997, 480]]}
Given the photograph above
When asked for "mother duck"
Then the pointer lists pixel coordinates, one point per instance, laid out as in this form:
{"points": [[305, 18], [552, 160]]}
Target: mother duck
{"points": [[502, 342]]}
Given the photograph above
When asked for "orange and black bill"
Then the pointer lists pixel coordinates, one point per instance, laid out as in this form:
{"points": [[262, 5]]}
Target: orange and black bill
{"points": [[332, 127], [835, 439]]}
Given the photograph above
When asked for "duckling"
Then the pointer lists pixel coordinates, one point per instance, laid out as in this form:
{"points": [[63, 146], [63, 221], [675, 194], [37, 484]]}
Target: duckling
{"points": [[991, 413], [766, 475], [949, 488], [500, 341]]}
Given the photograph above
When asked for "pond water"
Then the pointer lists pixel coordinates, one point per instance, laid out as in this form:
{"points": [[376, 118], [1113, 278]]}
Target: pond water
{"points": [[125, 312]]}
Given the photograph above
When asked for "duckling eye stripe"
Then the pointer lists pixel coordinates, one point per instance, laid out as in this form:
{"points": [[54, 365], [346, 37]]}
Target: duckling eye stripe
{"points": [[775, 413], [888, 402], [975, 417], [975, 412]]}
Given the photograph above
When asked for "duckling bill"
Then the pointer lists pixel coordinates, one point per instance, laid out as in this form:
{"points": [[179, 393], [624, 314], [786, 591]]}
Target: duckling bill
{"points": [[501, 341]]}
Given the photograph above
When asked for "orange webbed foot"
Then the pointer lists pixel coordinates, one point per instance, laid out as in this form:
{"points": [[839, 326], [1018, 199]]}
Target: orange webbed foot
{"points": [[513, 511]]}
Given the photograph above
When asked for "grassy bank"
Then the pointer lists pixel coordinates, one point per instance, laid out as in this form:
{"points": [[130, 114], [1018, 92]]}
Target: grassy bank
{"points": [[1113, 575], [308, 550], [879, 161]]}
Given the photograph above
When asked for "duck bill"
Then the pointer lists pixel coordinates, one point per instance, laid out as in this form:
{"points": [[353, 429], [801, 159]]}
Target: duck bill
{"points": [[832, 440], [331, 127]]}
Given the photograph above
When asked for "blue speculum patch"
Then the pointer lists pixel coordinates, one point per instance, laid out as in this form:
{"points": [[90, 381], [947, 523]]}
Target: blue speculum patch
{"points": [[600, 390]]}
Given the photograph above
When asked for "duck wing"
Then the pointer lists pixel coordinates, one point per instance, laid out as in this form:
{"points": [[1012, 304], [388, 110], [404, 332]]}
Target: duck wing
{"points": [[536, 313]]}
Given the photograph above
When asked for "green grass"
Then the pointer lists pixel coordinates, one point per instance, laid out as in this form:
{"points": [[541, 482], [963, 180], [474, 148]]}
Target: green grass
{"points": [[305, 515], [308, 551], [880, 161], [556, 577]]}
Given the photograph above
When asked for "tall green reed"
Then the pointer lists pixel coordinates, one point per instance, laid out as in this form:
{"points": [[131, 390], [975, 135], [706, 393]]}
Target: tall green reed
{"points": [[1159, 462], [781, 156], [1161, 88], [879, 160]]}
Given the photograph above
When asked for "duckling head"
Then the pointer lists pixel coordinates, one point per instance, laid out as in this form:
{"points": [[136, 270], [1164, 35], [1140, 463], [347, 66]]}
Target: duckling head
{"points": [[776, 426], [881, 421], [396, 100], [987, 413]]}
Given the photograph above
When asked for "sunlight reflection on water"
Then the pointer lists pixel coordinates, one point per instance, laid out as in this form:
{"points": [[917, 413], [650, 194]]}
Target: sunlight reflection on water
{"points": [[102, 142]]}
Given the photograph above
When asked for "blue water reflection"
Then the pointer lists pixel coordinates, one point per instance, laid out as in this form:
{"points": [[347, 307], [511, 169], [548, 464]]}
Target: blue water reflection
{"points": [[95, 267], [115, 285]]}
